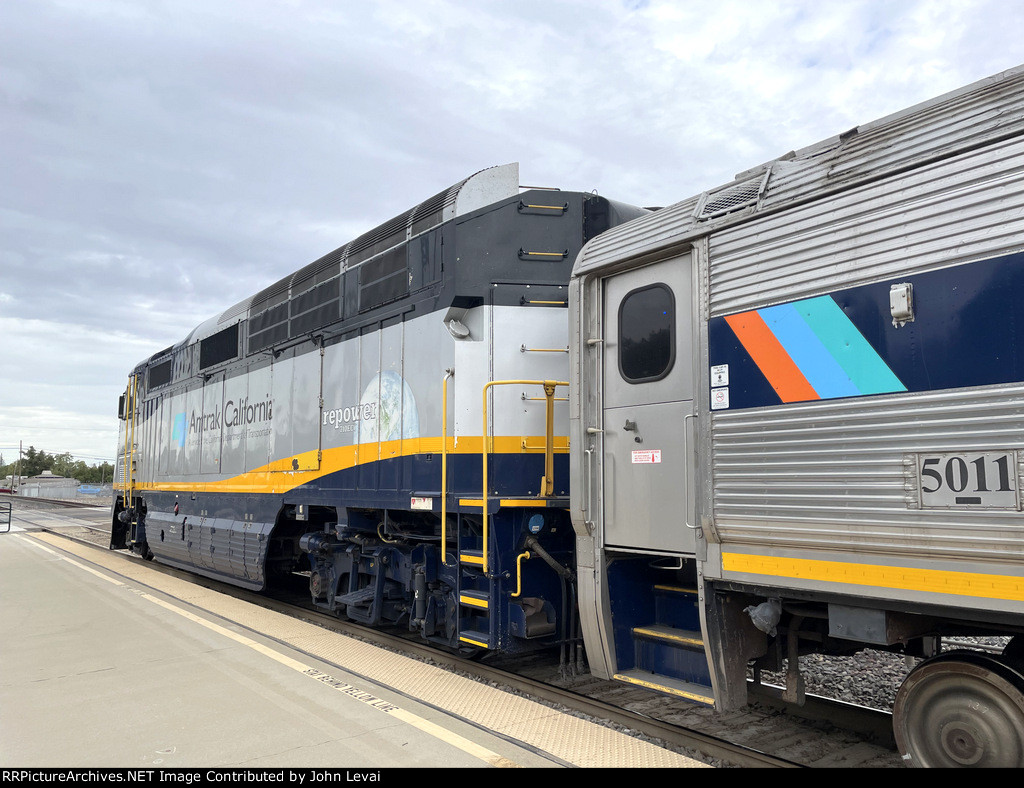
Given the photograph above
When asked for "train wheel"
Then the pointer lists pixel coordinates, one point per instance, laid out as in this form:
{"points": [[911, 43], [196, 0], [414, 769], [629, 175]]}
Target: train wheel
{"points": [[961, 709]]}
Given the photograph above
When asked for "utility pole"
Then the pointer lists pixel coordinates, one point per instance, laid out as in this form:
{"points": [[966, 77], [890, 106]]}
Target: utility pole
{"points": [[19, 472]]}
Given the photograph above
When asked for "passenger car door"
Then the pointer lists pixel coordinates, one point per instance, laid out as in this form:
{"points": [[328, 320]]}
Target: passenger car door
{"points": [[647, 408]]}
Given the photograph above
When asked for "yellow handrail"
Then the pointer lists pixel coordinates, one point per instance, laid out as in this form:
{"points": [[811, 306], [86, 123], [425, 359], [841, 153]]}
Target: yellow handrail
{"points": [[444, 465], [548, 482], [519, 572], [129, 442]]}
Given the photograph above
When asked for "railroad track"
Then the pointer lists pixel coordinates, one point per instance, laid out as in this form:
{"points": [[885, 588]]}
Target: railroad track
{"points": [[18, 500], [769, 733]]}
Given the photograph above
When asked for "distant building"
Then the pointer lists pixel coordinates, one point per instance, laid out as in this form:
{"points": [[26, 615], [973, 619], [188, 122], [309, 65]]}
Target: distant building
{"points": [[10, 483], [46, 485]]}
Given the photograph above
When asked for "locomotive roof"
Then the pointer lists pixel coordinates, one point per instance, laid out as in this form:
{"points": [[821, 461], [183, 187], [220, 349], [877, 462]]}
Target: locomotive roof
{"points": [[478, 190]]}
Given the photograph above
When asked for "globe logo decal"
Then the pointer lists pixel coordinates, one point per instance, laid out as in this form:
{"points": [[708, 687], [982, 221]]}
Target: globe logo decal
{"points": [[396, 410]]}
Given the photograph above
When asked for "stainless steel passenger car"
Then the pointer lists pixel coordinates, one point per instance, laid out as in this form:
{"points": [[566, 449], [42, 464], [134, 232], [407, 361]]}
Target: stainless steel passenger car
{"points": [[797, 420], [389, 421]]}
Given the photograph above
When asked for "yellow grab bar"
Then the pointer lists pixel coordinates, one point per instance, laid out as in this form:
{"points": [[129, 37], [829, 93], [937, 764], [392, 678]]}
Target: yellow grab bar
{"points": [[519, 571], [444, 465], [548, 482]]}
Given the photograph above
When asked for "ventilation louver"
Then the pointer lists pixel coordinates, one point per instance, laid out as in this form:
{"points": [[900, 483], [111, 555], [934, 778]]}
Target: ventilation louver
{"points": [[731, 198]]}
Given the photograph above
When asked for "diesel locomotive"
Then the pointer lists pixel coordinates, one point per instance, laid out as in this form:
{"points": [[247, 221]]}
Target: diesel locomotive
{"points": [[782, 417], [390, 420]]}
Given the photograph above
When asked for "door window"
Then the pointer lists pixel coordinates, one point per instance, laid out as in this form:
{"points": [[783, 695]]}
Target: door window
{"points": [[647, 346]]}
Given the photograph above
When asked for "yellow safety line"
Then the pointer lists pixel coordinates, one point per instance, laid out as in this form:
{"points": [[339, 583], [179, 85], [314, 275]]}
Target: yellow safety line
{"points": [[428, 727], [89, 569]]}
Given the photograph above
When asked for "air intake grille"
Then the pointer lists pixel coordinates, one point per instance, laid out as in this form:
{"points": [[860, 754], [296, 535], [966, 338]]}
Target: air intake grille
{"points": [[731, 198]]}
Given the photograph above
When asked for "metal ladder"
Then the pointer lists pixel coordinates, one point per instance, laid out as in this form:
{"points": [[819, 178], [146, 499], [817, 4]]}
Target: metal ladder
{"points": [[479, 615], [129, 456]]}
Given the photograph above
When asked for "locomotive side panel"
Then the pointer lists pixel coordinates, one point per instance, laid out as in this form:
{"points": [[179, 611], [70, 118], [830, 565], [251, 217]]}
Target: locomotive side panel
{"points": [[302, 429]]}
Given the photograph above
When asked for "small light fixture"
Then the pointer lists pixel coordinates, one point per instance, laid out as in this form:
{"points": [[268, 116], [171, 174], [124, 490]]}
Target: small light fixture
{"points": [[901, 304], [457, 329]]}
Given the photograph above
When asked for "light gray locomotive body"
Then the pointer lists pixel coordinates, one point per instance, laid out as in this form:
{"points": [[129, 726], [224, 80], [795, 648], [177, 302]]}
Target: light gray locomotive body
{"points": [[798, 423]]}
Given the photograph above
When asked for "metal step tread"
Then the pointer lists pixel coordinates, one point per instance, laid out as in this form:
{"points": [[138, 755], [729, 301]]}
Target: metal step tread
{"points": [[686, 638], [698, 693], [476, 599], [475, 637], [680, 590], [364, 594]]}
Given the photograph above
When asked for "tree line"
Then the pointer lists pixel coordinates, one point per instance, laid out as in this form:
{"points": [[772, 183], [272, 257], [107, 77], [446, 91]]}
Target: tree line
{"points": [[34, 461]]}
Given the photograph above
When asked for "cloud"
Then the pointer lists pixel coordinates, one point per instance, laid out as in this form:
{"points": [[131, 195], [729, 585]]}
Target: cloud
{"points": [[163, 161]]}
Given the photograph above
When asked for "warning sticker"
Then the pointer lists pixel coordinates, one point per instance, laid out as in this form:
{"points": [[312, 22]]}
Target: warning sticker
{"points": [[646, 457]]}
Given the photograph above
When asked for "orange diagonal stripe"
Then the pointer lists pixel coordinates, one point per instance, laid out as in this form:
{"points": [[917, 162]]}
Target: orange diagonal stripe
{"points": [[783, 375]]}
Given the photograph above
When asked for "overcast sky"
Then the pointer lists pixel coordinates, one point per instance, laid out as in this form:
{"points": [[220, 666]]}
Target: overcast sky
{"points": [[162, 161]]}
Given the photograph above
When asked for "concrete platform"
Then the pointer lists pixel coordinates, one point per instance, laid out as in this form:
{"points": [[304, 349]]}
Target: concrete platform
{"points": [[107, 663]]}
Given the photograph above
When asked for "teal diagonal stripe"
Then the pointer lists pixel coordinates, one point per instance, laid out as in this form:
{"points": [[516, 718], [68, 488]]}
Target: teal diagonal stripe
{"points": [[869, 373]]}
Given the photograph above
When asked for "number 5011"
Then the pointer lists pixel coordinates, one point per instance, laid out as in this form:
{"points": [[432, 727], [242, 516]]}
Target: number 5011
{"points": [[977, 479]]}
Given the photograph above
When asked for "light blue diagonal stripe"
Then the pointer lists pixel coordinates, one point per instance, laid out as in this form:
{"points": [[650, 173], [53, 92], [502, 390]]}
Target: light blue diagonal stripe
{"points": [[816, 363], [869, 373]]}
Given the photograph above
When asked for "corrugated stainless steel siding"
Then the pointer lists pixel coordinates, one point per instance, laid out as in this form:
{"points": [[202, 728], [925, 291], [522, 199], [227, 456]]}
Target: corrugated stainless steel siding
{"points": [[838, 476], [966, 208], [970, 118]]}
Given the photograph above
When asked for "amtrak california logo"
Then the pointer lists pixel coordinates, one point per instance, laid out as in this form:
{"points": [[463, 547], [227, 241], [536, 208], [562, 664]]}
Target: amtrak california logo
{"points": [[242, 413], [180, 429]]}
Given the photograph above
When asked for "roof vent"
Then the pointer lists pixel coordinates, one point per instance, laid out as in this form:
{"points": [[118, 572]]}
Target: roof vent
{"points": [[731, 198]]}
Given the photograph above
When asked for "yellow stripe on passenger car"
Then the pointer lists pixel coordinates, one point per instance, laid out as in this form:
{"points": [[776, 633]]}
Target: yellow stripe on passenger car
{"points": [[906, 578]]}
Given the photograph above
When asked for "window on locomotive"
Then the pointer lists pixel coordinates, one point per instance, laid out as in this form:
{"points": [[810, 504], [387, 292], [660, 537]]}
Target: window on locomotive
{"points": [[647, 346]]}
